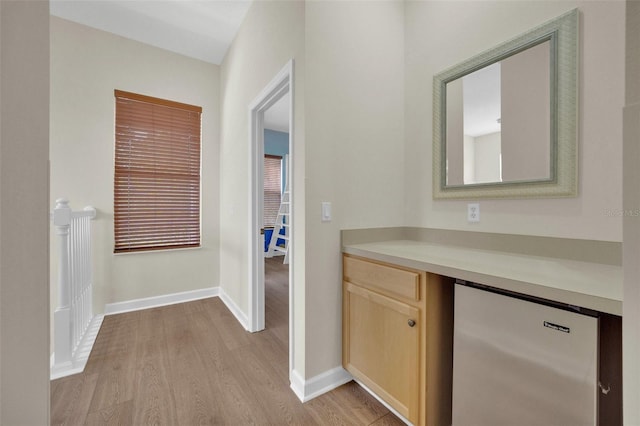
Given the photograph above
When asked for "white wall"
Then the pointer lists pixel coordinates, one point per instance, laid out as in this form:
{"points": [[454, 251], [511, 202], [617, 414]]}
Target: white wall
{"points": [[348, 147], [433, 44], [271, 35], [86, 66], [354, 113], [24, 227]]}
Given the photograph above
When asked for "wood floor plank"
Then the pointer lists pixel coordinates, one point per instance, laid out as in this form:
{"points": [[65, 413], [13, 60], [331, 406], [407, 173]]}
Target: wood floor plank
{"points": [[116, 363], [388, 420], [197, 305], [354, 398], [277, 403], [71, 397], [154, 399], [150, 325], [234, 403], [188, 372], [348, 403], [232, 333], [113, 342], [271, 350], [116, 415], [277, 298]]}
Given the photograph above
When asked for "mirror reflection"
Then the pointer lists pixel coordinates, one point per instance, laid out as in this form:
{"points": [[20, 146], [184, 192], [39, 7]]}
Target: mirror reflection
{"points": [[498, 121]]}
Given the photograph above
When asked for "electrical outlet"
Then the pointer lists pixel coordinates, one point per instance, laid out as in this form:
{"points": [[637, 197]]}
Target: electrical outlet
{"points": [[473, 212]]}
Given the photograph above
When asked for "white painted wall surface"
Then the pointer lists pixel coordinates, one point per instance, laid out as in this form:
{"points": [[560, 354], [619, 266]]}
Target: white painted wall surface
{"points": [[24, 199], [354, 113], [86, 66], [348, 147], [433, 44]]}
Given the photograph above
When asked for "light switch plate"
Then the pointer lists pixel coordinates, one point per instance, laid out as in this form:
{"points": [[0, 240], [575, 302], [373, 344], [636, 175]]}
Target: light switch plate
{"points": [[326, 211], [473, 212]]}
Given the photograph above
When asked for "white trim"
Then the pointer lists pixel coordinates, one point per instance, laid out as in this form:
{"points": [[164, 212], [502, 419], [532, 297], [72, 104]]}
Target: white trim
{"points": [[256, 203], [61, 370], [318, 385], [156, 301], [290, 181], [297, 385], [234, 308], [81, 354], [279, 85]]}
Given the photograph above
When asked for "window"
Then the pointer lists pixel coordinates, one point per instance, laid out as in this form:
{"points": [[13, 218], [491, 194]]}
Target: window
{"points": [[272, 188], [157, 174]]}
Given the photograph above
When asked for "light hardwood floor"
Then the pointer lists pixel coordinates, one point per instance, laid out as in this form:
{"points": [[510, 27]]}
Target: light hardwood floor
{"points": [[193, 364]]}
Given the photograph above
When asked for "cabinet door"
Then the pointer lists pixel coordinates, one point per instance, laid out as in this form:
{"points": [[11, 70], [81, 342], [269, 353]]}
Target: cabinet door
{"points": [[382, 339]]}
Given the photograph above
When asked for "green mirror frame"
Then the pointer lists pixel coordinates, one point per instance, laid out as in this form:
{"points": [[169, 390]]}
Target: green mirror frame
{"points": [[563, 34]]}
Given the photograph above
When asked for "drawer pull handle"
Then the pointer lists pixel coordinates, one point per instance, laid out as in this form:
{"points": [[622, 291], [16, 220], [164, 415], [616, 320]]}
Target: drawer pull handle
{"points": [[411, 323]]}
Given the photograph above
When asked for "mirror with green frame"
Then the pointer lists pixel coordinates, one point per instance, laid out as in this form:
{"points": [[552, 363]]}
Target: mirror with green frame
{"points": [[505, 120]]}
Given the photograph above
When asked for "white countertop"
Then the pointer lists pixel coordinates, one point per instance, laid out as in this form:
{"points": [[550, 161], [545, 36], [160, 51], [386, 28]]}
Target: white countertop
{"points": [[585, 284]]}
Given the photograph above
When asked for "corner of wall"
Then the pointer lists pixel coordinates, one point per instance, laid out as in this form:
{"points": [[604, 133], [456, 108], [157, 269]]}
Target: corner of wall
{"points": [[306, 390]]}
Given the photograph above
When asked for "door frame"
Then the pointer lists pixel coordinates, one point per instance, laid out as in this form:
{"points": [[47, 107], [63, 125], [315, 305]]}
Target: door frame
{"points": [[280, 85]]}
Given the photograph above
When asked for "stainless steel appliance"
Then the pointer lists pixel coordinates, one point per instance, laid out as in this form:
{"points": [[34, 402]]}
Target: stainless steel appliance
{"points": [[517, 362]]}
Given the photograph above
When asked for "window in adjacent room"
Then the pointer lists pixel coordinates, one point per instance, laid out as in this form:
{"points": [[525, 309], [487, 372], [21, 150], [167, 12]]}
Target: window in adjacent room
{"points": [[272, 188], [157, 174]]}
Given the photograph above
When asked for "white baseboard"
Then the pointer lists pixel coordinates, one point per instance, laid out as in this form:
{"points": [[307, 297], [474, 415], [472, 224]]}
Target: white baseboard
{"points": [[163, 300], [81, 355], [306, 390], [297, 385], [235, 310]]}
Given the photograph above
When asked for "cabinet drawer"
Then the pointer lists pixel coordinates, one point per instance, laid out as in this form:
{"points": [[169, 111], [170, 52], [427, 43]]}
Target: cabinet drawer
{"points": [[396, 281]]}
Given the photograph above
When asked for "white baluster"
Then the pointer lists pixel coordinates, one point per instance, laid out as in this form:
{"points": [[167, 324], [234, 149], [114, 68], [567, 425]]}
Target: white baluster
{"points": [[75, 311], [75, 307], [62, 315]]}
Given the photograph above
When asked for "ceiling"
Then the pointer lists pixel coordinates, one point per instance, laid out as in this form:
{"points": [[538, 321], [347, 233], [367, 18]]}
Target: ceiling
{"points": [[200, 29], [277, 116]]}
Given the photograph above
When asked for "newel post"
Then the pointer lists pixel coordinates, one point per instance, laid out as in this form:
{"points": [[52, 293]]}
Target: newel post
{"points": [[62, 317]]}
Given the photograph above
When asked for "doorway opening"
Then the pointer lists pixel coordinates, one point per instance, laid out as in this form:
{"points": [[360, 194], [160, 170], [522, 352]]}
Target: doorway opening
{"points": [[275, 100], [277, 218]]}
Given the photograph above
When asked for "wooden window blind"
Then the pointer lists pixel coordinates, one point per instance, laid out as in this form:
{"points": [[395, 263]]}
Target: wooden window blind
{"points": [[272, 188], [157, 174]]}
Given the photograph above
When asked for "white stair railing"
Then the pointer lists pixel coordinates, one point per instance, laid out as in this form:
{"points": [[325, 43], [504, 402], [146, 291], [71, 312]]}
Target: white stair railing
{"points": [[74, 314]]}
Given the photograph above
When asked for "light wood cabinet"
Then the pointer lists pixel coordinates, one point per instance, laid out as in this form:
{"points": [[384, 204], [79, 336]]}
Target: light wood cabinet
{"points": [[397, 336]]}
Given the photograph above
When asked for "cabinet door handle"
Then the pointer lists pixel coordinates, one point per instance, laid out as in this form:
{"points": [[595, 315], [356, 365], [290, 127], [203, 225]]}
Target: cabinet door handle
{"points": [[411, 323]]}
